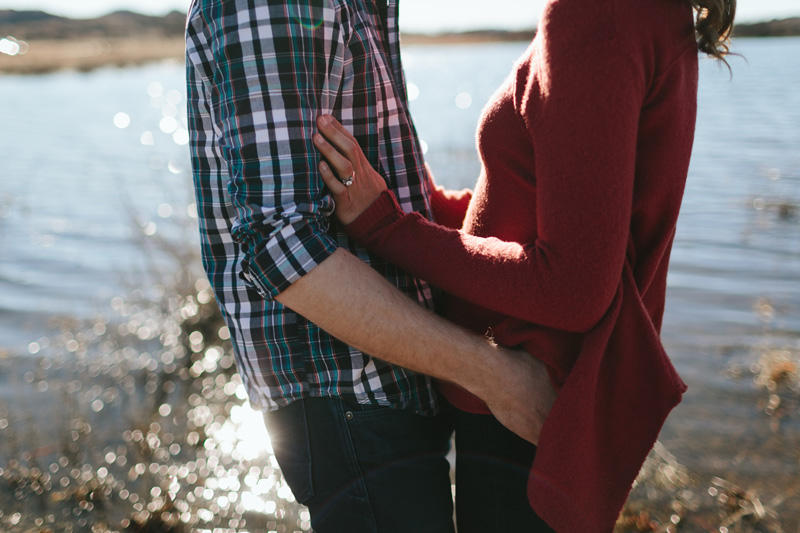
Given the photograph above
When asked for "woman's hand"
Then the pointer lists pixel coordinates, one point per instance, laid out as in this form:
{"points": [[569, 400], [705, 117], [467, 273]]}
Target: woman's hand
{"points": [[345, 159]]}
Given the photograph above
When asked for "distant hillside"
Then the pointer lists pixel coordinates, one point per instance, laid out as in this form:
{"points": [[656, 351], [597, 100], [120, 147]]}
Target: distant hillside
{"points": [[467, 37], [774, 28], [23, 17], [36, 25]]}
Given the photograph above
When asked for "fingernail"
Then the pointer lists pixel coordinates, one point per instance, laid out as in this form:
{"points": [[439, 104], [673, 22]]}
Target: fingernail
{"points": [[325, 119]]}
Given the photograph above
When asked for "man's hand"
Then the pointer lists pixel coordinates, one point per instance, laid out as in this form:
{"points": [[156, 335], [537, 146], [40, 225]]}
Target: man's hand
{"points": [[344, 159], [518, 392]]}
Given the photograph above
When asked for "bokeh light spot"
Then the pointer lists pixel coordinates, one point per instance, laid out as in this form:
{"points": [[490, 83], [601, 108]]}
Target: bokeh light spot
{"points": [[155, 89], [164, 210], [168, 124], [463, 100], [413, 92], [10, 46], [181, 137], [122, 120]]}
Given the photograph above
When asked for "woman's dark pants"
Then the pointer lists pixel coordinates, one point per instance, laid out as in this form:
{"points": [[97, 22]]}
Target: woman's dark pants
{"points": [[492, 466]]}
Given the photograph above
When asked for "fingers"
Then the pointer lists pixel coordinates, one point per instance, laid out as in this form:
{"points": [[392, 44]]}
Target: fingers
{"points": [[341, 166], [331, 181], [339, 137]]}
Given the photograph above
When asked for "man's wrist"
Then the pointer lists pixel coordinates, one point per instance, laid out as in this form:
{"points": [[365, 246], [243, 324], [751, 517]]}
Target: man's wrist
{"points": [[482, 369]]}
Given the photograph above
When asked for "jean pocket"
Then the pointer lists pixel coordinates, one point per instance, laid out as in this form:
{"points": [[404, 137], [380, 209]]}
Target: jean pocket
{"points": [[288, 432], [370, 413]]}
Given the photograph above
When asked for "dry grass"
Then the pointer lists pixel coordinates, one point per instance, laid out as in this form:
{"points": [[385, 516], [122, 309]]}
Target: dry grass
{"points": [[84, 55]]}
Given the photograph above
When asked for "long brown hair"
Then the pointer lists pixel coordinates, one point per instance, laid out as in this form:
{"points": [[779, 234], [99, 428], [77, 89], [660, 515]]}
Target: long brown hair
{"points": [[714, 25]]}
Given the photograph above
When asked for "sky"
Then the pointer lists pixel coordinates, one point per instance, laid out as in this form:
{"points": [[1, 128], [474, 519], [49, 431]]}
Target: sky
{"points": [[415, 15]]}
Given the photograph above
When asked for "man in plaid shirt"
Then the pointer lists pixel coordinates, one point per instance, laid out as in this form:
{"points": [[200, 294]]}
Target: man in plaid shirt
{"points": [[359, 440]]}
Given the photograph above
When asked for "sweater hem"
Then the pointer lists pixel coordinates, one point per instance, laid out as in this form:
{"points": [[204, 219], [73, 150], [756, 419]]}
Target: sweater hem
{"points": [[559, 510]]}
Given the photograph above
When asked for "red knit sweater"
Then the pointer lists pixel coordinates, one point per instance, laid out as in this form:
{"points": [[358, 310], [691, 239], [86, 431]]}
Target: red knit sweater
{"points": [[565, 245]]}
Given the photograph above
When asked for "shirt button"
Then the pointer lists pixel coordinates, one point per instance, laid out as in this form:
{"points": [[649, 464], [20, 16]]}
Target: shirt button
{"points": [[349, 415]]}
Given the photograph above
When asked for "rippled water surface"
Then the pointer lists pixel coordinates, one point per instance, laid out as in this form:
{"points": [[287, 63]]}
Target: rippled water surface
{"points": [[95, 164]]}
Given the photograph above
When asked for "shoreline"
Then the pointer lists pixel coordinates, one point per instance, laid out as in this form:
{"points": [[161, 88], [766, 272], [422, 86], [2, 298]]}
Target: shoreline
{"points": [[49, 43], [84, 55], [45, 56], [127, 438]]}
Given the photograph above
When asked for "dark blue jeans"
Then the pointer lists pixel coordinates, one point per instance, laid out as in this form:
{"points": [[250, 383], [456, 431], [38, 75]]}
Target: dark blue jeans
{"points": [[492, 466], [365, 469]]}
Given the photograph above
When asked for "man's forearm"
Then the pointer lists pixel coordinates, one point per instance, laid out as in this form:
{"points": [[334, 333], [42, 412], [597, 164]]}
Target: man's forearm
{"points": [[352, 302]]}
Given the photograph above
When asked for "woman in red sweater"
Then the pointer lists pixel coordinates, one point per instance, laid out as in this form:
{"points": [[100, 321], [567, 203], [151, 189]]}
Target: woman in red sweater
{"points": [[562, 249]]}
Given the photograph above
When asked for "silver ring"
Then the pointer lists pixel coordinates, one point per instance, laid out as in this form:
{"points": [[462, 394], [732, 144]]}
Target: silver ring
{"points": [[349, 181]]}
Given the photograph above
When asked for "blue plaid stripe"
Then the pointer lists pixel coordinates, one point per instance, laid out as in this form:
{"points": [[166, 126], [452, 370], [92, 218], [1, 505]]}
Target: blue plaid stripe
{"points": [[258, 74]]}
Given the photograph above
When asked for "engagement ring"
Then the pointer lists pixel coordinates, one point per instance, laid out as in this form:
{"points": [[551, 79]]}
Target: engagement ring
{"points": [[349, 181]]}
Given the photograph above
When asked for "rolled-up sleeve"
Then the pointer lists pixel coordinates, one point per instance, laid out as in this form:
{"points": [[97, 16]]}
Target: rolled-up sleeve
{"points": [[278, 65]]}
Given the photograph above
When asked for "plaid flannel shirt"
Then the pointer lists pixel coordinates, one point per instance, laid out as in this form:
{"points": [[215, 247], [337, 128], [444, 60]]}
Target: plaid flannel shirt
{"points": [[258, 73]]}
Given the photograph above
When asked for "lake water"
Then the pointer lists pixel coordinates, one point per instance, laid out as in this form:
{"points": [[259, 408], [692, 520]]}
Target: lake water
{"points": [[94, 164]]}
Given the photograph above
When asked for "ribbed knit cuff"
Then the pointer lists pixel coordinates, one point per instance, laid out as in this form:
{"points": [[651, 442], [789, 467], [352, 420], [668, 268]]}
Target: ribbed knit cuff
{"points": [[382, 213]]}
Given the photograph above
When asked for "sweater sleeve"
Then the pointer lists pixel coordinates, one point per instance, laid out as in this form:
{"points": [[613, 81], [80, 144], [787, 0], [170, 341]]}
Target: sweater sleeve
{"points": [[581, 109]]}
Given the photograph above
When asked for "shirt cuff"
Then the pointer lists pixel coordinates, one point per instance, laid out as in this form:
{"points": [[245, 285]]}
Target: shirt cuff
{"points": [[287, 257], [380, 214]]}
